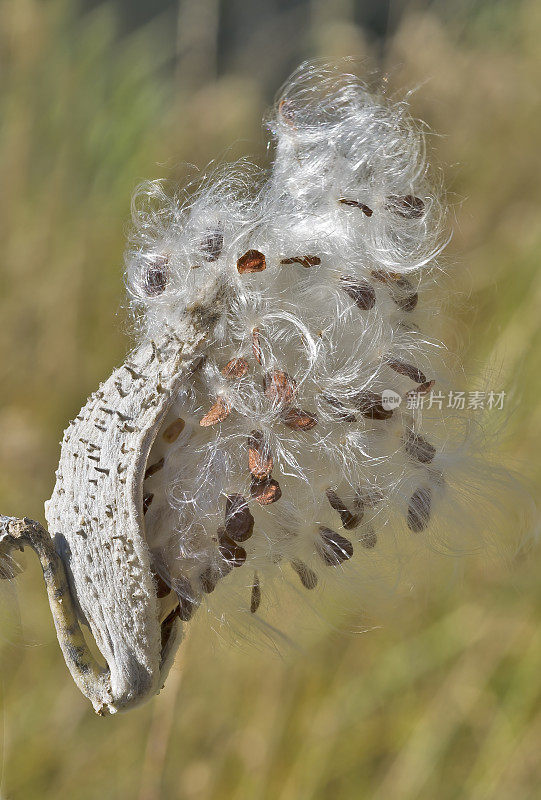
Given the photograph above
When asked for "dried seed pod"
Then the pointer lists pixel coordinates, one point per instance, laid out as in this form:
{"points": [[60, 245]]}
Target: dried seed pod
{"points": [[154, 468], [251, 261], [361, 292], [266, 492], [173, 431], [357, 204], [156, 276], [212, 245], [231, 552], [147, 501], [256, 346], [419, 509], [418, 448], [239, 522], [255, 597], [370, 405], [306, 261], [279, 387], [298, 420], [408, 370], [407, 206], [349, 520], [219, 411], [333, 548], [308, 576], [235, 369], [260, 460]]}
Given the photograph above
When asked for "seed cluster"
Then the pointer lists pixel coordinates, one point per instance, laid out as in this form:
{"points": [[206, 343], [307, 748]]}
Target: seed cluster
{"points": [[282, 455]]}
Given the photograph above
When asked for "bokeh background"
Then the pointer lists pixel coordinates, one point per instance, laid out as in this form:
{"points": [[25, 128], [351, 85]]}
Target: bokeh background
{"points": [[443, 697]]}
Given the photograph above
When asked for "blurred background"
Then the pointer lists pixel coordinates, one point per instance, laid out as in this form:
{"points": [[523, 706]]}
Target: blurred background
{"points": [[443, 697]]}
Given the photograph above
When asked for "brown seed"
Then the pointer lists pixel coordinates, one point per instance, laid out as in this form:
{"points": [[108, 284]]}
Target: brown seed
{"points": [[333, 548], [232, 553], [419, 510], [162, 588], [255, 598], [419, 449], [369, 538], [239, 522], [298, 420], [235, 369], [360, 292], [408, 370], [266, 492], [173, 431], [212, 245], [147, 500], [286, 111], [156, 275], [256, 346], [260, 460], [424, 388], [154, 468], [306, 261], [251, 261], [219, 411], [407, 206], [370, 405], [279, 387], [342, 414], [308, 576], [408, 303], [349, 520], [402, 291], [357, 204]]}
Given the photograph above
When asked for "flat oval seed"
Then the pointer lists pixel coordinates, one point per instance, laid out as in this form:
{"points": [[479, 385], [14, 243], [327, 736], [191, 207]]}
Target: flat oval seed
{"points": [[231, 552], [333, 548], [260, 460], [361, 292], [407, 206], [156, 276], [255, 598], [370, 405], [306, 261], [266, 492], [419, 449], [279, 387], [235, 369], [154, 468], [251, 261], [298, 420], [239, 522], [357, 204], [173, 431], [403, 368], [349, 520], [419, 510], [219, 411], [307, 576]]}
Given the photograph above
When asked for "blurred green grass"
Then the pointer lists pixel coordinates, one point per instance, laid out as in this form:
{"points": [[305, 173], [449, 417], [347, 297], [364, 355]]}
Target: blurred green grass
{"points": [[443, 700]]}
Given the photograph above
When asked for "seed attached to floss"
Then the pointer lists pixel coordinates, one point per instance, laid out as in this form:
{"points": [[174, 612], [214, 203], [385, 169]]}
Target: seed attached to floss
{"points": [[307, 576], [357, 204], [333, 548], [154, 468], [255, 598], [408, 370], [173, 431], [219, 411], [251, 261], [239, 522], [212, 245], [235, 369], [231, 552], [279, 387], [419, 449], [341, 412], [360, 292], [402, 291], [298, 420], [423, 389], [349, 520], [260, 460], [156, 276], [407, 206], [370, 405], [266, 492], [419, 510], [306, 261]]}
